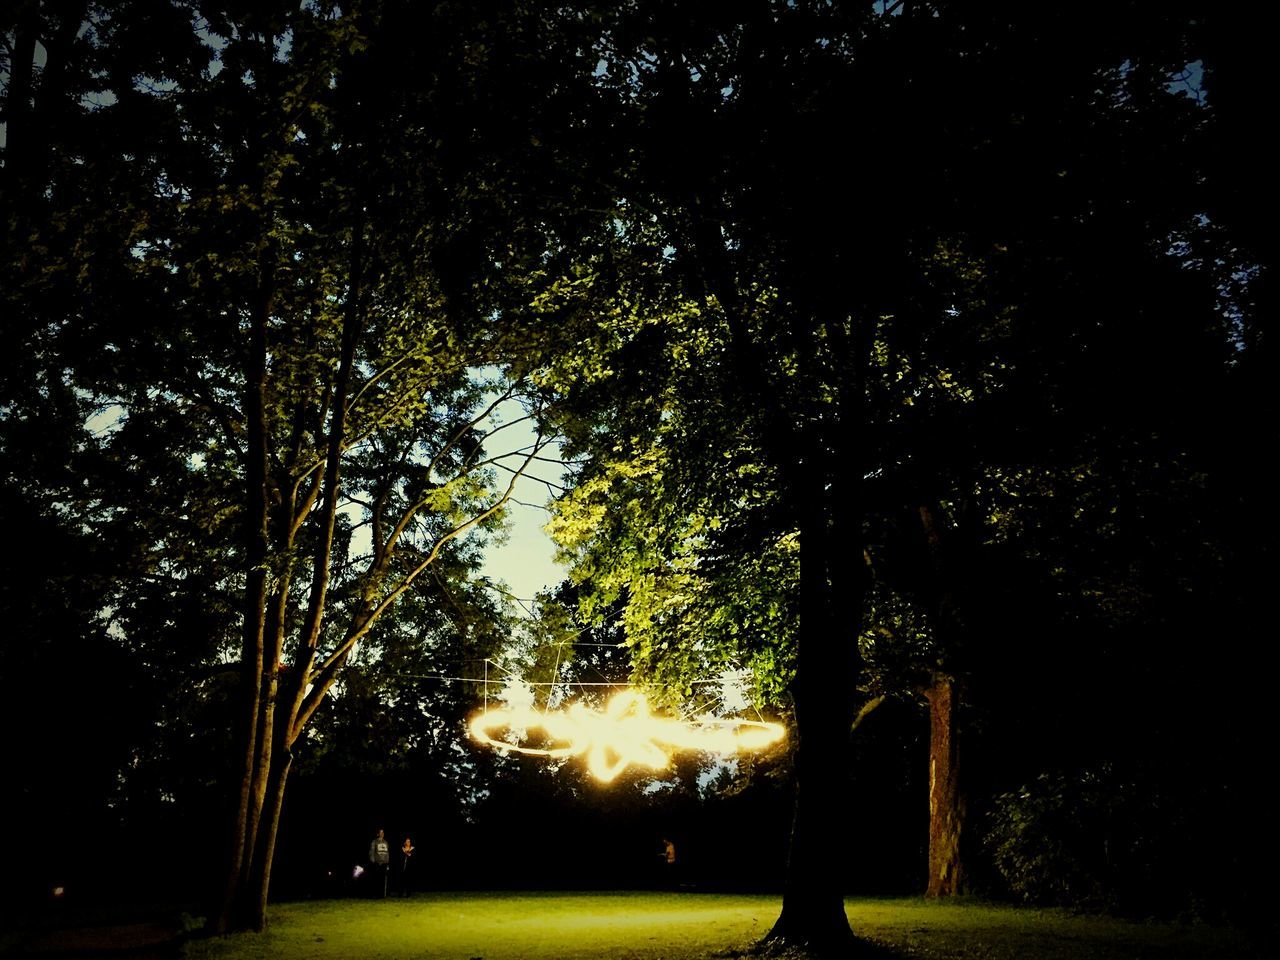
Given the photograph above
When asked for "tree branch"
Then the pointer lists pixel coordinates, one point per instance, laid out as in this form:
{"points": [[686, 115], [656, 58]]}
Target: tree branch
{"points": [[324, 677], [865, 712]]}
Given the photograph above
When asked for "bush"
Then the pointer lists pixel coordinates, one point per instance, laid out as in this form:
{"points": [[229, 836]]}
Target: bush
{"points": [[1099, 839]]}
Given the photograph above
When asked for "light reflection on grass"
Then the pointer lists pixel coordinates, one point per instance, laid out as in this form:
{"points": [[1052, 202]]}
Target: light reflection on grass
{"points": [[684, 926]]}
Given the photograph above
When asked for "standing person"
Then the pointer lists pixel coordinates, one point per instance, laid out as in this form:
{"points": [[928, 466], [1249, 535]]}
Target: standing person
{"points": [[668, 858], [406, 860], [380, 859]]}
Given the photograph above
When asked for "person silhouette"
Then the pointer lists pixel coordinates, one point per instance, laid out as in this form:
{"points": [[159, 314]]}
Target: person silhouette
{"points": [[668, 860], [407, 850], [380, 860]]}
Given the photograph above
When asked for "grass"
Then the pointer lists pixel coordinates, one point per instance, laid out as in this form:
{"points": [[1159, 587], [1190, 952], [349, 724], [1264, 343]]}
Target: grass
{"points": [[689, 926]]}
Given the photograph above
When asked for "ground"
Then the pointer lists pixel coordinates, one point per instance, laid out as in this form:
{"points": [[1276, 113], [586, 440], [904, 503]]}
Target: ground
{"points": [[691, 926]]}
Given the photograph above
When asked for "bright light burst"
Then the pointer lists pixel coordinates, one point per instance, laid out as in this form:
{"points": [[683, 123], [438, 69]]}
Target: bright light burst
{"points": [[624, 733]]}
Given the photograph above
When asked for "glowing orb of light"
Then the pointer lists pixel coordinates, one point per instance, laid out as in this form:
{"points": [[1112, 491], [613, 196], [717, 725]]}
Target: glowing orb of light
{"points": [[623, 734]]}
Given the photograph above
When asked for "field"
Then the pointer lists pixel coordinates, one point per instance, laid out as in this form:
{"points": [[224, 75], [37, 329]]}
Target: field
{"points": [[684, 926]]}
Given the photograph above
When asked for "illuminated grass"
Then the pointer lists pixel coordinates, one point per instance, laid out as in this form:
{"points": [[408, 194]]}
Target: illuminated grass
{"points": [[685, 926], [506, 925]]}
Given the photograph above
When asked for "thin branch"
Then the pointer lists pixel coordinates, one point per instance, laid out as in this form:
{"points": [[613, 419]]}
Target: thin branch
{"points": [[374, 378], [866, 711], [496, 458], [304, 511], [351, 328], [561, 462], [324, 677], [398, 531], [462, 431], [378, 513], [521, 473]]}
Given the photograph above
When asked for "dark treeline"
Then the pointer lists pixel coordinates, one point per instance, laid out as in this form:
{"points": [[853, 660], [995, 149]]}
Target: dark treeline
{"points": [[913, 358]]}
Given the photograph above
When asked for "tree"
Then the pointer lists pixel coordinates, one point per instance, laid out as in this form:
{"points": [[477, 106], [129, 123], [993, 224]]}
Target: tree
{"points": [[787, 362], [308, 261], [855, 333]]}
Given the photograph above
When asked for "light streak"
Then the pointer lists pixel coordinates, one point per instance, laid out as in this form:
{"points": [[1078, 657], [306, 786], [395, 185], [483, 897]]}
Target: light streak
{"points": [[625, 733]]}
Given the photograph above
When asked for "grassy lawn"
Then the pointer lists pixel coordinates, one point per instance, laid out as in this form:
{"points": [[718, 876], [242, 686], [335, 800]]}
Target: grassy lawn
{"points": [[684, 926]]}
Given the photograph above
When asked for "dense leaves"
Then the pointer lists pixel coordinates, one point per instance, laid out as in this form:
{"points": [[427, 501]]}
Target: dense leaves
{"points": [[891, 345]]}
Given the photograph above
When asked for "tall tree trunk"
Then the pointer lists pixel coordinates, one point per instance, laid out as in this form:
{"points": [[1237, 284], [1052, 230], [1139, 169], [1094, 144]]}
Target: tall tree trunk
{"points": [[32, 112], [268, 828], [18, 103], [253, 655], [827, 661], [277, 719], [813, 914], [946, 801], [946, 798]]}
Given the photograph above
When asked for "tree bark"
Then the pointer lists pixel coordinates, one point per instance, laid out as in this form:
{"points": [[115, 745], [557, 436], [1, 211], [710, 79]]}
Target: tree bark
{"points": [[828, 659], [813, 914], [269, 827], [18, 97], [946, 797], [274, 709], [257, 514], [946, 801]]}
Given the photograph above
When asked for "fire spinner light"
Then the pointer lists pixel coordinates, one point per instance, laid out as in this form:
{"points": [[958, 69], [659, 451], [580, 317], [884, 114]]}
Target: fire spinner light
{"points": [[624, 733]]}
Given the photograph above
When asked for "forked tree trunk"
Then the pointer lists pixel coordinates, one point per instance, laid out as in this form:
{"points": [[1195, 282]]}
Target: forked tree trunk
{"points": [[946, 801], [275, 706], [269, 827]]}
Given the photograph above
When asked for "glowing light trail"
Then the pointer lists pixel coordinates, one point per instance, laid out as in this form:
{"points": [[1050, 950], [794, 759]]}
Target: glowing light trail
{"points": [[623, 734]]}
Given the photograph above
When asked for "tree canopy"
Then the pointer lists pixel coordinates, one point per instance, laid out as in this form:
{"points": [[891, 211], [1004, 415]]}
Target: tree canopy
{"points": [[909, 353]]}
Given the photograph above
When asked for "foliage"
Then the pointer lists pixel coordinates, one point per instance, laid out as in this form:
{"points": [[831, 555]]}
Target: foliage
{"points": [[276, 318], [1100, 840], [800, 346], [785, 276]]}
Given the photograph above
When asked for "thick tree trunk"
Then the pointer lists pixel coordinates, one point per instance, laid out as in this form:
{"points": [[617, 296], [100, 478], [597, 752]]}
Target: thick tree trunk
{"points": [[946, 801], [813, 914], [827, 489]]}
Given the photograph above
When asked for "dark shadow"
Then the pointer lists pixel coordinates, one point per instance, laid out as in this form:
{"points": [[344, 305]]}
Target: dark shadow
{"points": [[856, 949], [150, 940]]}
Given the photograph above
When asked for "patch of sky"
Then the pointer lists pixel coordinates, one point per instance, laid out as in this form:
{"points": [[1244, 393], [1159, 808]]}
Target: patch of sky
{"points": [[515, 694], [158, 86], [98, 100], [733, 690], [524, 561], [1190, 82], [106, 420], [519, 564], [715, 770]]}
